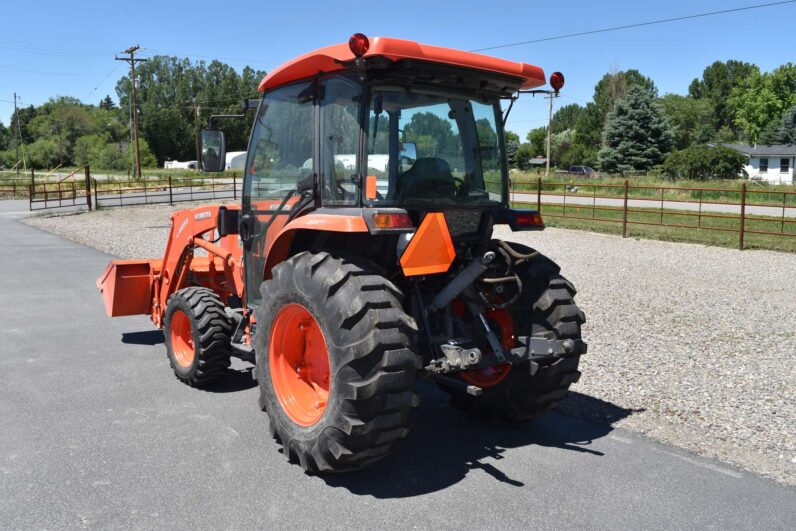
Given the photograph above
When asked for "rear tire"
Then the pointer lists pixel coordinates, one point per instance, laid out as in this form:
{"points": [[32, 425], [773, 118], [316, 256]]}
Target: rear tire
{"points": [[197, 333], [371, 369], [546, 308]]}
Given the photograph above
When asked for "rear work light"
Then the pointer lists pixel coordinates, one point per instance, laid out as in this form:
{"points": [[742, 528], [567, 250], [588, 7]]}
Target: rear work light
{"points": [[359, 44]]}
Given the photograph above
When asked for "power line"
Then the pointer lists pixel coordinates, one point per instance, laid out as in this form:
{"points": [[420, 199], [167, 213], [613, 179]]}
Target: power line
{"points": [[48, 73], [637, 25], [39, 49], [101, 82]]}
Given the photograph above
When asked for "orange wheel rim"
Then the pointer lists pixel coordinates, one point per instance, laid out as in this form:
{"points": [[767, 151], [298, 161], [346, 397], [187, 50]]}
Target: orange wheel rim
{"points": [[491, 376], [182, 339], [299, 364]]}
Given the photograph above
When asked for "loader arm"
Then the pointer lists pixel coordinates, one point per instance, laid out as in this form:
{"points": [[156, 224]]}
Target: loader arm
{"points": [[133, 287]]}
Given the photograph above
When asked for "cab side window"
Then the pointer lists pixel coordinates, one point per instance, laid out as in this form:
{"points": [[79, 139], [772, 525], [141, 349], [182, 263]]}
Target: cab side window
{"points": [[281, 147], [339, 139]]}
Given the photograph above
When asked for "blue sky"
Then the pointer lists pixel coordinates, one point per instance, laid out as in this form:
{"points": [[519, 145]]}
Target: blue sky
{"points": [[66, 48]]}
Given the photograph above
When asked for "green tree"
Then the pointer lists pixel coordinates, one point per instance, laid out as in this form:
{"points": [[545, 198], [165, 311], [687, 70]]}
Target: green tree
{"points": [[511, 135], [637, 136], [537, 139], [716, 85], [565, 118], [61, 121], [524, 156], [578, 155], [691, 119], [107, 103], [782, 132], [589, 127], [614, 86], [5, 137], [24, 116], [704, 162], [763, 98], [433, 135], [176, 97]]}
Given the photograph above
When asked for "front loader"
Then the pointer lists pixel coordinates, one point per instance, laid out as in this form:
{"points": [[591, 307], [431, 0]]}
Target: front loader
{"points": [[361, 257]]}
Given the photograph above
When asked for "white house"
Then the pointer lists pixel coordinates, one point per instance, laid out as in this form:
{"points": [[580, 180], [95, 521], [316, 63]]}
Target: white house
{"points": [[769, 163]]}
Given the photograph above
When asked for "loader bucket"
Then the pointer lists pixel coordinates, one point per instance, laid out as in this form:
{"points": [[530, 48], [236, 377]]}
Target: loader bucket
{"points": [[126, 287]]}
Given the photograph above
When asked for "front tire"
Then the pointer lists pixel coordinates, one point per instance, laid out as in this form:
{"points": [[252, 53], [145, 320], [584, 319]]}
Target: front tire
{"points": [[197, 333], [362, 388]]}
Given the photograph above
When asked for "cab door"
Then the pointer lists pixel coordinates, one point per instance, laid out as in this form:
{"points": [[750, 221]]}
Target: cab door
{"points": [[280, 157]]}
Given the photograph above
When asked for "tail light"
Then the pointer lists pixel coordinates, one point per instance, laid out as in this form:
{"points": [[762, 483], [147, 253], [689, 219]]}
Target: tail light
{"points": [[392, 220], [388, 220]]}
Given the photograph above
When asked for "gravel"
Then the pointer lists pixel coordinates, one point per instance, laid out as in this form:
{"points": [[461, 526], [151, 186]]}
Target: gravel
{"points": [[692, 345]]}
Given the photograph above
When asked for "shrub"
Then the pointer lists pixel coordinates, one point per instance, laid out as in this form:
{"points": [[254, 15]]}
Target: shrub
{"points": [[701, 163]]}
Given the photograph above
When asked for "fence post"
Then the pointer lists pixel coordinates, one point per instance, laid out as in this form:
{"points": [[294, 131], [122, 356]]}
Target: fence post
{"points": [[538, 194], [30, 198], [96, 198], [234, 187], [743, 216], [171, 198], [624, 213], [32, 177], [88, 188]]}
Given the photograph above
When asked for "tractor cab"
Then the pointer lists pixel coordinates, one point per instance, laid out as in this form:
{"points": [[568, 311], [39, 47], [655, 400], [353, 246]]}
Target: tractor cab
{"points": [[385, 131]]}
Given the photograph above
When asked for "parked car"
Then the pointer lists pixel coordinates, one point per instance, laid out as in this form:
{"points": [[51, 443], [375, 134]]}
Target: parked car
{"points": [[586, 171]]}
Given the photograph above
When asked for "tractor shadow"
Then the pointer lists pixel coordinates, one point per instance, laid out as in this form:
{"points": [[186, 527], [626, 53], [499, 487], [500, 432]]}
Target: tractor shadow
{"points": [[445, 445], [145, 337], [233, 381]]}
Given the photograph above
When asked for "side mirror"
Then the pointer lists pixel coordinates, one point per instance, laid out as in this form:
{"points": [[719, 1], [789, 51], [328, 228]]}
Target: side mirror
{"points": [[409, 151], [214, 151]]}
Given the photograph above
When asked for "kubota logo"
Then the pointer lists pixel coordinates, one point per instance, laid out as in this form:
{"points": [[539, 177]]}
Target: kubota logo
{"points": [[182, 226], [202, 215]]}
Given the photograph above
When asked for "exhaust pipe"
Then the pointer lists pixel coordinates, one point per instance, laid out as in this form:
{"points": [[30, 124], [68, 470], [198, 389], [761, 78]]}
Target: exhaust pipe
{"points": [[466, 276]]}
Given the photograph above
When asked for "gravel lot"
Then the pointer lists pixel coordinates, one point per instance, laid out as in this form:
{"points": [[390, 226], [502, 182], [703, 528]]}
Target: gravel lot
{"points": [[692, 345]]}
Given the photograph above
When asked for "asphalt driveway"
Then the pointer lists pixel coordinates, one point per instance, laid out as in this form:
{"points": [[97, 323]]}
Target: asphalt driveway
{"points": [[96, 432]]}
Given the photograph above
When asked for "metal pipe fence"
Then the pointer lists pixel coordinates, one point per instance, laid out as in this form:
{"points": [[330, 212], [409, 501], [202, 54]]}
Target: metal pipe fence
{"points": [[755, 211], [83, 190], [169, 190]]}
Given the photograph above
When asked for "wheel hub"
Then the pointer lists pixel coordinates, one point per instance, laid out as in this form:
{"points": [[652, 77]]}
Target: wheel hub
{"points": [[182, 339], [299, 364]]}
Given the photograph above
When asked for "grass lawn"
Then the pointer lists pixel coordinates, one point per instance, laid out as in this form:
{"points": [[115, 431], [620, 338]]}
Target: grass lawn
{"points": [[724, 233]]}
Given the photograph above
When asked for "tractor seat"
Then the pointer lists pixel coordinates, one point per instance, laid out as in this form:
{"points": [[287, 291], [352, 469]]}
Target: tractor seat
{"points": [[428, 177]]}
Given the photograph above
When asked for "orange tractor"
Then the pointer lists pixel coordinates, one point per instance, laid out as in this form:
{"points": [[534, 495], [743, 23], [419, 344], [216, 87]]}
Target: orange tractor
{"points": [[362, 258]]}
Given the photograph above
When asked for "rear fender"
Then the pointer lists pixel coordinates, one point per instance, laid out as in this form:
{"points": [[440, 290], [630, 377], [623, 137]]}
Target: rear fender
{"points": [[278, 250]]}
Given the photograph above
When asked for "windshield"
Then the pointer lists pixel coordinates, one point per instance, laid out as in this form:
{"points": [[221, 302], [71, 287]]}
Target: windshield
{"points": [[428, 148]]}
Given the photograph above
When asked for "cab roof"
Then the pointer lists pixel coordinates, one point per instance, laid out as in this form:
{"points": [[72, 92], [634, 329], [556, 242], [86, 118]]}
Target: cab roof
{"points": [[334, 58]]}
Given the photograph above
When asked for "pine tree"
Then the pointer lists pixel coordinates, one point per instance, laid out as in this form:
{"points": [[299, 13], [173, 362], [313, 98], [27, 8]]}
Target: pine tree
{"points": [[637, 135], [107, 103], [781, 131]]}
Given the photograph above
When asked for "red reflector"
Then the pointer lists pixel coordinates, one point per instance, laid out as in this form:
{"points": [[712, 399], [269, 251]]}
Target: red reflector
{"points": [[527, 219], [392, 220], [358, 44]]}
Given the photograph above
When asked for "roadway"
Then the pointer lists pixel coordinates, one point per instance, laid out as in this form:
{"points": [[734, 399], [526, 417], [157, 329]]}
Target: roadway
{"points": [[98, 433]]}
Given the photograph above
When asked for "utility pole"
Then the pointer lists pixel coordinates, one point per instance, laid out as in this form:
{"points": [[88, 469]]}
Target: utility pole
{"points": [[198, 141], [19, 136], [133, 106], [549, 131]]}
